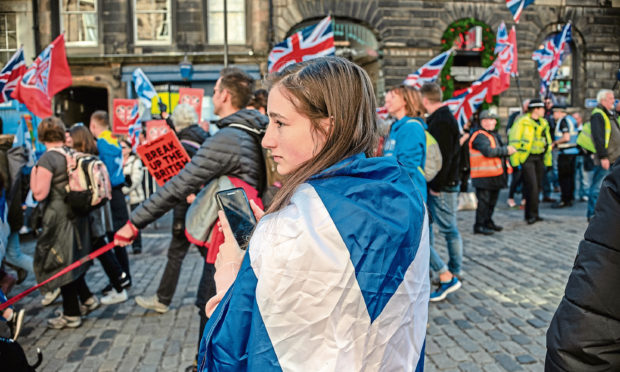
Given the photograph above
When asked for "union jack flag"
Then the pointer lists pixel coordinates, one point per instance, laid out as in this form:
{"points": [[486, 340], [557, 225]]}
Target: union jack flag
{"points": [[429, 72], [464, 105], [506, 59], [549, 58], [516, 7], [309, 43], [135, 127], [10, 75]]}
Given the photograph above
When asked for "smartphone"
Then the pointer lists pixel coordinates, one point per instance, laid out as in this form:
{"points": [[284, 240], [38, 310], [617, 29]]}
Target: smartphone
{"points": [[237, 209]]}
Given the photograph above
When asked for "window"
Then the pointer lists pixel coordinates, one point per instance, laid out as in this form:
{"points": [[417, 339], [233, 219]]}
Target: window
{"points": [[78, 19], [236, 21], [8, 37], [152, 22]]}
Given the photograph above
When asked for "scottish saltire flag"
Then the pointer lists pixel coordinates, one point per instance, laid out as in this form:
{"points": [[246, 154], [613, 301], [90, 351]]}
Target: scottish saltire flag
{"points": [[48, 75], [135, 127], [10, 75], [549, 58], [516, 7], [429, 72], [144, 89], [309, 43], [335, 281]]}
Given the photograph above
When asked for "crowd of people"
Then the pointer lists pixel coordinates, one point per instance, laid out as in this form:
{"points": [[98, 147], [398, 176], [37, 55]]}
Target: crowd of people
{"points": [[323, 134]]}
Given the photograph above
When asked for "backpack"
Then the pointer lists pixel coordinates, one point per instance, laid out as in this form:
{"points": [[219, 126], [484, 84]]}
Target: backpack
{"points": [[271, 180], [89, 182], [434, 161]]}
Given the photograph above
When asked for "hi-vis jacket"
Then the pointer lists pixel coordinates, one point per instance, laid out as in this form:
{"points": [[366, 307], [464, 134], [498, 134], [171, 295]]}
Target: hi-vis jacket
{"points": [[335, 281], [530, 137], [585, 137]]}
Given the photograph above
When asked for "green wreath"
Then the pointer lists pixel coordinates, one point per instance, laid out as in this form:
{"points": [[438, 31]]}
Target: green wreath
{"points": [[487, 55]]}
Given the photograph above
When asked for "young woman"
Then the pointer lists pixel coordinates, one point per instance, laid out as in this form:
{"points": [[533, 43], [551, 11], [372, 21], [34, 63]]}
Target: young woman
{"points": [[133, 170], [336, 272], [65, 237]]}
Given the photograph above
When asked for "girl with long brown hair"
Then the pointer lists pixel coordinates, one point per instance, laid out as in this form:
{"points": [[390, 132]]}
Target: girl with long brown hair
{"points": [[336, 272]]}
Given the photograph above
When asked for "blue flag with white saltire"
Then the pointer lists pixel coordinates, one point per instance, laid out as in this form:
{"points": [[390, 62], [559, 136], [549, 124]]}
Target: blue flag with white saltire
{"points": [[144, 89], [335, 281]]}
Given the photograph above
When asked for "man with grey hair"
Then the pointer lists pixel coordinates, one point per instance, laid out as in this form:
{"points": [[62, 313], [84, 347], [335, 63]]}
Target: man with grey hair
{"points": [[192, 136], [603, 139]]}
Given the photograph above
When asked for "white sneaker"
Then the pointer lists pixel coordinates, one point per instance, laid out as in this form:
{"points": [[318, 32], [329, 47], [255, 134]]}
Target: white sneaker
{"points": [[50, 297], [151, 303], [24, 230], [114, 297], [89, 305]]}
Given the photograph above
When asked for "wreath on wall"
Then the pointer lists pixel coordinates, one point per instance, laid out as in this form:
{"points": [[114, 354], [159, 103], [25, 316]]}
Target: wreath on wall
{"points": [[487, 55]]}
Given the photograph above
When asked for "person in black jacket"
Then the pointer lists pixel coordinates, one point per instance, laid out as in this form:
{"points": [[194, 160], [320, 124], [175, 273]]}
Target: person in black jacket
{"points": [[192, 136], [232, 151], [488, 171], [443, 190], [584, 332]]}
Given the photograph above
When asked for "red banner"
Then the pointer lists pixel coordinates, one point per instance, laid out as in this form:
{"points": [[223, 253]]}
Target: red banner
{"points": [[164, 157], [124, 115], [155, 129], [193, 97]]}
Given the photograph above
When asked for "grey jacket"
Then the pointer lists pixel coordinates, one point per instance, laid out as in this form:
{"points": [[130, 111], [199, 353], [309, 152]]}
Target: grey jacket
{"points": [[230, 152]]}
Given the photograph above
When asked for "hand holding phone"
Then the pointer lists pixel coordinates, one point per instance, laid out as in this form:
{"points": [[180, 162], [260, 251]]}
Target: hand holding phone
{"points": [[235, 205]]}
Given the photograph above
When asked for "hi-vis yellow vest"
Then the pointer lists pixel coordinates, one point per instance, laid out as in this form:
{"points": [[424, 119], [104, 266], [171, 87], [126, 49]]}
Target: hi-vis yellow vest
{"points": [[585, 137], [529, 137]]}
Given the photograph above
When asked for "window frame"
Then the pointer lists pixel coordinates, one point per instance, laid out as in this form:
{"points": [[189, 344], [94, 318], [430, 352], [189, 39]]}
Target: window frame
{"points": [[139, 42], [5, 35], [71, 44], [245, 25]]}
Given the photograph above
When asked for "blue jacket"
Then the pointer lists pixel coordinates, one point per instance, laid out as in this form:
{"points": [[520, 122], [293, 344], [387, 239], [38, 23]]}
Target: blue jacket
{"points": [[336, 280], [407, 142], [111, 154]]}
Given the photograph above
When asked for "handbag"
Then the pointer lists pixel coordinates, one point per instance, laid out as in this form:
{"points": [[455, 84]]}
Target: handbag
{"points": [[467, 201]]}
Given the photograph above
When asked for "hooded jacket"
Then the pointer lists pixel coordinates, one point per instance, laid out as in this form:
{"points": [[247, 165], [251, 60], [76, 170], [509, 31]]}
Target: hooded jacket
{"points": [[584, 332], [230, 152]]}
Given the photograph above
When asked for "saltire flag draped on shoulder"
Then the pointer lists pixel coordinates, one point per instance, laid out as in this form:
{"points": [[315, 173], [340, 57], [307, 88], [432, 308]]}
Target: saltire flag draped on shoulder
{"points": [[135, 127], [48, 75], [549, 58], [429, 72], [335, 281], [10, 75], [516, 7], [144, 89], [311, 42]]}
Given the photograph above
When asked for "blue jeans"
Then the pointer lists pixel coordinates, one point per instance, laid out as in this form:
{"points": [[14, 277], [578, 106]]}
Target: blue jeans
{"points": [[15, 256], [443, 209], [582, 182], [598, 174]]}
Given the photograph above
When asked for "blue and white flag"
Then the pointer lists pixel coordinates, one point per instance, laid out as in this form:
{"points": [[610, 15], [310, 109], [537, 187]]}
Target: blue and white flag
{"points": [[335, 281], [144, 89], [516, 7]]}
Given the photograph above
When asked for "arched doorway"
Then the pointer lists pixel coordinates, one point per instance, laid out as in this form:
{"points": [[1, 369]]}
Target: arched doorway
{"points": [[357, 43], [561, 86], [76, 104]]}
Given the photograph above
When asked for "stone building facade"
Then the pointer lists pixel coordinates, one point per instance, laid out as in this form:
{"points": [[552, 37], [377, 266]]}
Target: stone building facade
{"points": [[389, 38]]}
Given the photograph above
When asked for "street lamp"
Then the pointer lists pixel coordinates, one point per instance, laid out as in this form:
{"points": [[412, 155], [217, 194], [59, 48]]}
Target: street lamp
{"points": [[186, 68]]}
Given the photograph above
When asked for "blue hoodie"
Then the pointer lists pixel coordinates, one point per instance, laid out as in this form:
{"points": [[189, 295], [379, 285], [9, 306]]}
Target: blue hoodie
{"points": [[111, 154]]}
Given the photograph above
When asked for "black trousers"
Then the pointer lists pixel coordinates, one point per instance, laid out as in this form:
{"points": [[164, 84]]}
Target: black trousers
{"points": [[487, 199], [532, 174], [119, 219], [72, 294], [137, 243], [515, 181], [110, 264], [206, 290], [566, 176]]}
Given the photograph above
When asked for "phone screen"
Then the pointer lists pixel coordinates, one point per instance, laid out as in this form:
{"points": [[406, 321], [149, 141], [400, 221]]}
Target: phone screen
{"points": [[237, 208]]}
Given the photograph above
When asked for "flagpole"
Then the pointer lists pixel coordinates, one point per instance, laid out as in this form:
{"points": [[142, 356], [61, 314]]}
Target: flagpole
{"points": [[225, 33]]}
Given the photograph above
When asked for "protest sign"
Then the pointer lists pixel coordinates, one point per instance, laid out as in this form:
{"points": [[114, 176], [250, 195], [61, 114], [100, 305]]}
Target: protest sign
{"points": [[125, 115], [164, 157], [193, 97], [155, 129]]}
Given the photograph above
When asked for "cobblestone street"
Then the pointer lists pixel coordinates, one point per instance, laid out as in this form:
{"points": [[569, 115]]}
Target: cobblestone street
{"points": [[512, 284]]}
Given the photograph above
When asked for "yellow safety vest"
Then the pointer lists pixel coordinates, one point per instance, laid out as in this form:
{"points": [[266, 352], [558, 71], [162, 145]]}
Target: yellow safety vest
{"points": [[529, 137], [585, 137]]}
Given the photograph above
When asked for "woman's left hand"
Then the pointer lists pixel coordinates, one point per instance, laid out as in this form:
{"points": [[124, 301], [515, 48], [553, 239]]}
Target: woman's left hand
{"points": [[230, 252]]}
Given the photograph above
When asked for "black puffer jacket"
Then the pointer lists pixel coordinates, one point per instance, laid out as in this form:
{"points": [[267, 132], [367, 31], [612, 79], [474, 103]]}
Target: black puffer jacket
{"points": [[192, 138], [584, 334], [231, 151]]}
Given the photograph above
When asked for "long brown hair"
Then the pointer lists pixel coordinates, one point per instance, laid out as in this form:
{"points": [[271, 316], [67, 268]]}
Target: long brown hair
{"points": [[413, 100], [83, 140], [328, 87]]}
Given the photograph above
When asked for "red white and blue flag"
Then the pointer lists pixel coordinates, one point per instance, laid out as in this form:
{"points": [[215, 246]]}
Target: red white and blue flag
{"points": [[429, 72], [10, 75], [506, 58], [466, 103], [135, 127], [549, 58], [516, 7], [48, 75], [309, 43]]}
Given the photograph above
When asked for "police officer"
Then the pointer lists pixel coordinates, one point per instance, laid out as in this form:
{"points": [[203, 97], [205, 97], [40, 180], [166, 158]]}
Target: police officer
{"points": [[566, 142], [531, 137]]}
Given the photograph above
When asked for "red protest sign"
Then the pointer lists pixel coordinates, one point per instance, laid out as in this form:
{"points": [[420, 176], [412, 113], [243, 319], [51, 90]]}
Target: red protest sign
{"points": [[155, 129], [123, 118], [193, 97], [164, 157]]}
